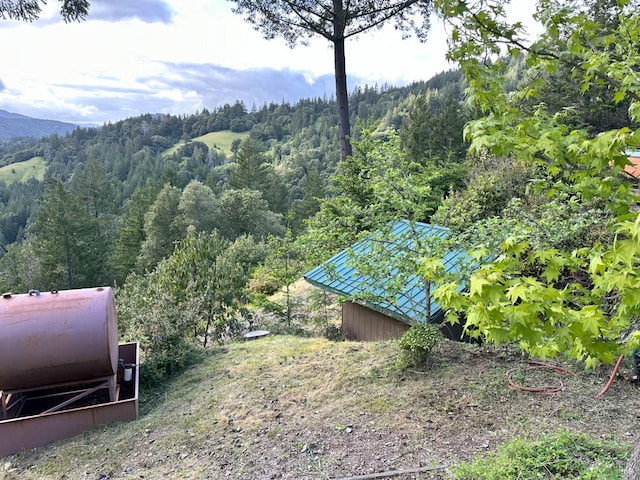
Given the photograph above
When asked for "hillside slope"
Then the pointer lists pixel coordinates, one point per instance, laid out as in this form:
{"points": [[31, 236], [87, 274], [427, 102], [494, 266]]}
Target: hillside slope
{"points": [[23, 171], [16, 125], [214, 140], [306, 408]]}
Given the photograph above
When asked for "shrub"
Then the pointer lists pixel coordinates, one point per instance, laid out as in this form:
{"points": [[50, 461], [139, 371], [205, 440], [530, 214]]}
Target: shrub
{"points": [[560, 456], [148, 315], [263, 283], [417, 342], [333, 332]]}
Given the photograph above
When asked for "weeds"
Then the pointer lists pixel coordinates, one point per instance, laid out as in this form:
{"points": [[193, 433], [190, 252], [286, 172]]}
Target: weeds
{"points": [[561, 456]]}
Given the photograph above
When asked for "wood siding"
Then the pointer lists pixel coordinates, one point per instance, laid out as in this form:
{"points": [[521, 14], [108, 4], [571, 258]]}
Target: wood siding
{"points": [[363, 324]]}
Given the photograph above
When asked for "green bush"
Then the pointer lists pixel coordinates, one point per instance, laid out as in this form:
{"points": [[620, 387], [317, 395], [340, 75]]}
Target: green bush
{"points": [[561, 456], [148, 315], [263, 283], [417, 342], [333, 332]]}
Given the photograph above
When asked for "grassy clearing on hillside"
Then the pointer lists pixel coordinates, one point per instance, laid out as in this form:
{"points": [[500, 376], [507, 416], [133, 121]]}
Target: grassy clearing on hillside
{"points": [[286, 407], [23, 171], [214, 140]]}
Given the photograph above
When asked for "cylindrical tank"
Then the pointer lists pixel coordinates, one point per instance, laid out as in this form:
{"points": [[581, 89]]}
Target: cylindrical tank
{"points": [[64, 336]]}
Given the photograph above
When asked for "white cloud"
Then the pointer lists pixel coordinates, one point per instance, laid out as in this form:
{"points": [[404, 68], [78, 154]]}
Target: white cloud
{"points": [[177, 56], [382, 56]]}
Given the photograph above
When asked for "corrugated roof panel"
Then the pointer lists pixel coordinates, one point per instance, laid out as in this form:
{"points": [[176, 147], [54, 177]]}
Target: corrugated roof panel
{"points": [[633, 169], [338, 274]]}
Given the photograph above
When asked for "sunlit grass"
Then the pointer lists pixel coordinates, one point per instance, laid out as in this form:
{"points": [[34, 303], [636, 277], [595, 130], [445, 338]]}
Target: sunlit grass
{"points": [[221, 141], [23, 171]]}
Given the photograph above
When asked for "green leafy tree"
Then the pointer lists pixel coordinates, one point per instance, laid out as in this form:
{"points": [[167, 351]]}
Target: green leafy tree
{"points": [[207, 281], [350, 210], [433, 132], [245, 212], [197, 206], [20, 269], [541, 309], [276, 193], [336, 21], [191, 298], [95, 189], [592, 321], [254, 171], [162, 226], [148, 314], [284, 264], [131, 234], [312, 192], [491, 185], [252, 167], [560, 88], [375, 185], [248, 252]]}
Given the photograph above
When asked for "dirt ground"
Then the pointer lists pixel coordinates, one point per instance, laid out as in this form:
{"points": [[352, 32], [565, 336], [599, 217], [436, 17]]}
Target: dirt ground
{"points": [[287, 407], [462, 407]]}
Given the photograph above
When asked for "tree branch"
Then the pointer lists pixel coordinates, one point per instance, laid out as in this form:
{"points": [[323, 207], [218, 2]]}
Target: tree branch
{"points": [[510, 40]]}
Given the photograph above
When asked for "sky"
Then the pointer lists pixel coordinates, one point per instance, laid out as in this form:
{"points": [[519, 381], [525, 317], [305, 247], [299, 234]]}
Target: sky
{"points": [[131, 57]]}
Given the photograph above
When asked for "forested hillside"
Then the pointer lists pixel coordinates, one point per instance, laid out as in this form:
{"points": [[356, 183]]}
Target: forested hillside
{"points": [[520, 155], [14, 125], [286, 152]]}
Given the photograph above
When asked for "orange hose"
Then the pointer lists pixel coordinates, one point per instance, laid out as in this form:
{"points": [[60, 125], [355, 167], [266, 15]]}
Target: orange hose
{"points": [[542, 389], [613, 375]]}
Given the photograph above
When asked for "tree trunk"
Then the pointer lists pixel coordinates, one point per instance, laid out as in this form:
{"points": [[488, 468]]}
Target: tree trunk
{"points": [[342, 94], [632, 472], [427, 291]]}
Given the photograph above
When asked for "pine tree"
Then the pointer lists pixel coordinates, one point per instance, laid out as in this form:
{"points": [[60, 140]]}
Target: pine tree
{"points": [[252, 168], [70, 246]]}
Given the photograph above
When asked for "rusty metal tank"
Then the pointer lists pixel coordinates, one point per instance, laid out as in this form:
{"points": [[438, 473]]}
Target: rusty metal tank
{"points": [[49, 338]]}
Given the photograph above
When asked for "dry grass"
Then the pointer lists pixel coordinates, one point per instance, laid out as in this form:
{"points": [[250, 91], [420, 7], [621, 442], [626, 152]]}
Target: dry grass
{"points": [[293, 408]]}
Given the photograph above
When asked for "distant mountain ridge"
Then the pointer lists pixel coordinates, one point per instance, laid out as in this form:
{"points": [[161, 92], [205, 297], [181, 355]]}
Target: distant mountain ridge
{"points": [[16, 125]]}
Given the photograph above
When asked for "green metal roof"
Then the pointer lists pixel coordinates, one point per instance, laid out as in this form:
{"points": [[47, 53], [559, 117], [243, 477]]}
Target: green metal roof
{"points": [[340, 274]]}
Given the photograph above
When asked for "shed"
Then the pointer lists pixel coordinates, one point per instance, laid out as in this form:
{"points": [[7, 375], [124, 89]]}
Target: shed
{"points": [[370, 312]]}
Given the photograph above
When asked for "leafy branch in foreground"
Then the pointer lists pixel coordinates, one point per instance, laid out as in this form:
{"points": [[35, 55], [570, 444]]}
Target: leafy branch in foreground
{"points": [[541, 308]]}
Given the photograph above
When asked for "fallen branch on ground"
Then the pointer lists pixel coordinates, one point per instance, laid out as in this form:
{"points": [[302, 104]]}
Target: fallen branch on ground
{"points": [[395, 473]]}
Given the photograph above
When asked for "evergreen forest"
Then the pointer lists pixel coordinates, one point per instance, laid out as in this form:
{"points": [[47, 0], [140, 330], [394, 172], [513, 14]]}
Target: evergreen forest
{"points": [[196, 219], [131, 203], [522, 152]]}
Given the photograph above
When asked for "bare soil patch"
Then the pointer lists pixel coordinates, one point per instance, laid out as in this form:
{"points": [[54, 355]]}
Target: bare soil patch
{"points": [[285, 407]]}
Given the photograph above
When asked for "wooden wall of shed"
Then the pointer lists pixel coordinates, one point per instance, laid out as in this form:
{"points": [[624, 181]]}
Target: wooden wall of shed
{"points": [[363, 324]]}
